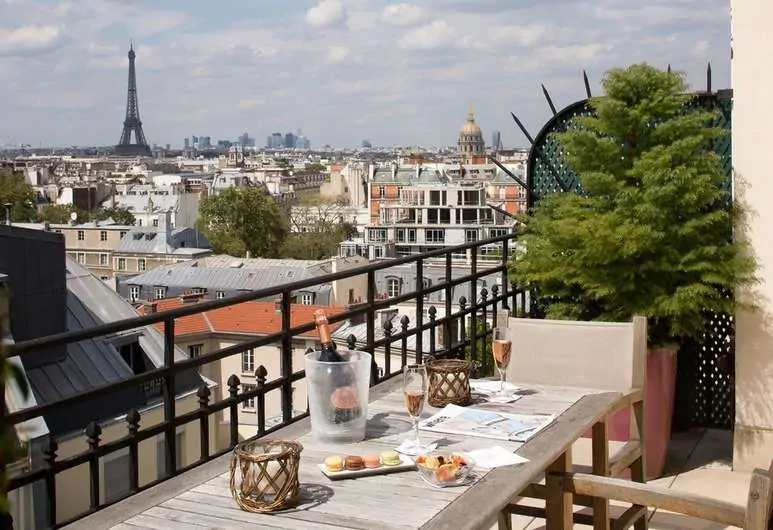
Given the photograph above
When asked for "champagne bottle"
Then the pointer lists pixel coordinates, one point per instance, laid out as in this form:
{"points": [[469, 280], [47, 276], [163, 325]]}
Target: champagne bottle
{"points": [[344, 398]]}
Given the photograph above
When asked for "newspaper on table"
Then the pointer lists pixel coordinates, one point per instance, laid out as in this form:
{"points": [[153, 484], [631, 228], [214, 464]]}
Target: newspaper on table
{"points": [[471, 421]]}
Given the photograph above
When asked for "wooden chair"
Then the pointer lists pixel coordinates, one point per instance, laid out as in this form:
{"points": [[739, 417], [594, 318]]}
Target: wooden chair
{"points": [[755, 516], [591, 355]]}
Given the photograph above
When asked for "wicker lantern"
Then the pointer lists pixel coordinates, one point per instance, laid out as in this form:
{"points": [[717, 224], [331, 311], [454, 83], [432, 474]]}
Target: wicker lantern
{"points": [[264, 475], [449, 382]]}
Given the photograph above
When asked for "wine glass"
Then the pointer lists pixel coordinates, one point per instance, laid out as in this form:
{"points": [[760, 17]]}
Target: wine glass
{"points": [[415, 391], [501, 347]]}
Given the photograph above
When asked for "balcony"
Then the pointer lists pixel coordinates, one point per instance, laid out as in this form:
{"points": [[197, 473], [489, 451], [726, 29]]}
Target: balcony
{"points": [[60, 486]]}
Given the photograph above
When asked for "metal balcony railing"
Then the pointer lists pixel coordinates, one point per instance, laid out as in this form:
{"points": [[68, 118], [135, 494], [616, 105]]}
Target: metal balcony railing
{"points": [[466, 315]]}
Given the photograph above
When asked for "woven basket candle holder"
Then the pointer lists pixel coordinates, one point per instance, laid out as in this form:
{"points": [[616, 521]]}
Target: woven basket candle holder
{"points": [[264, 475], [449, 382]]}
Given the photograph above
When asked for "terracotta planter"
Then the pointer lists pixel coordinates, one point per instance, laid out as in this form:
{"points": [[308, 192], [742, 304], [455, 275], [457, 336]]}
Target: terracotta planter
{"points": [[658, 411]]}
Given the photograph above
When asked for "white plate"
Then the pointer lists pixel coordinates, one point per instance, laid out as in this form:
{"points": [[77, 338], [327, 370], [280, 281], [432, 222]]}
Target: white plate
{"points": [[405, 464]]}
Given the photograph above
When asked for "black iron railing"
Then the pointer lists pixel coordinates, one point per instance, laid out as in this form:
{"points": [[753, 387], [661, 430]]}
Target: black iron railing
{"points": [[480, 305]]}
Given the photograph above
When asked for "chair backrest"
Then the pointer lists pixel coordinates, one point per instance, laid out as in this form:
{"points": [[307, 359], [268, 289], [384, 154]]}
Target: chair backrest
{"points": [[599, 355]]}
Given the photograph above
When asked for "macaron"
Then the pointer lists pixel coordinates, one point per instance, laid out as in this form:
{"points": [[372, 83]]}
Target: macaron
{"points": [[353, 463], [371, 461], [390, 458], [334, 463]]}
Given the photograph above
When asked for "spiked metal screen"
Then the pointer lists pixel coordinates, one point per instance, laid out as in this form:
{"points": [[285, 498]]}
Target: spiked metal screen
{"points": [[705, 393]]}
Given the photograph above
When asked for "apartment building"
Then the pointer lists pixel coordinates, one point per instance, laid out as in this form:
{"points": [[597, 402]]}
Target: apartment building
{"points": [[109, 250], [419, 208]]}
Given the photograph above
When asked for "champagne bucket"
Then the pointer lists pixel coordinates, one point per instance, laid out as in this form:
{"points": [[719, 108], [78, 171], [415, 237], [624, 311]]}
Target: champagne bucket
{"points": [[338, 396]]}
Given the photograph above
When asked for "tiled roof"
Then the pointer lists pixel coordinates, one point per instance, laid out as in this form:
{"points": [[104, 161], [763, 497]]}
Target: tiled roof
{"points": [[254, 318]]}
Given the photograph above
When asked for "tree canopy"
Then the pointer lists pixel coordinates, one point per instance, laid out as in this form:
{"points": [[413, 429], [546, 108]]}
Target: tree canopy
{"points": [[119, 214], [62, 214], [15, 190], [650, 231], [317, 229], [238, 220]]}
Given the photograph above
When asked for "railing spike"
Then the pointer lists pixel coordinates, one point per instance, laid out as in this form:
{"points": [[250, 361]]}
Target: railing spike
{"points": [[523, 129], [587, 84], [549, 100]]}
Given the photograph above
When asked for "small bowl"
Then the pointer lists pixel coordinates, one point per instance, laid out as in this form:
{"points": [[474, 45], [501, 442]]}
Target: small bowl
{"points": [[444, 469]]}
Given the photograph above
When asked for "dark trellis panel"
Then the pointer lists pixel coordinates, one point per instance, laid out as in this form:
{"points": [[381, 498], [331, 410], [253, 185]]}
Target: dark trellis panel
{"points": [[705, 392]]}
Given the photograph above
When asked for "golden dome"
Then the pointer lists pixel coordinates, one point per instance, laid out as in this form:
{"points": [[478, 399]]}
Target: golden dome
{"points": [[470, 127]]}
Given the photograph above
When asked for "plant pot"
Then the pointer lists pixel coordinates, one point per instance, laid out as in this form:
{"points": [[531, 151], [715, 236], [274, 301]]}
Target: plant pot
{"points": [[658, 411]]}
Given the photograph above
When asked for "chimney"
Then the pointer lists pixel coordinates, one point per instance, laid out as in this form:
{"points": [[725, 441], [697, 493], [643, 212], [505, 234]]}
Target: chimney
{"points": [[151, 307], [278, 305], [188, 298]]}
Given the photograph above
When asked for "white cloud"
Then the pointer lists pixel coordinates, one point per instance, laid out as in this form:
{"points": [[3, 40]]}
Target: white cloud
{"points": [[403, 15], [326, 13], [28, 38], [434, 35]]}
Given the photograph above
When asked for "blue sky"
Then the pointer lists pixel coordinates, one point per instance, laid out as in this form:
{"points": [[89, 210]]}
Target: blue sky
{"points": [[396, 73]]}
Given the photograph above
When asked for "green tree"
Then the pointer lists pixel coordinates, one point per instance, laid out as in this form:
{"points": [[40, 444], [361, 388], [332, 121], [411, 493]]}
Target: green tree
{"points": [[15, 191], [238, 220], [10, 374], [317, 229], [650, 232], [62, 214], [315, 167], [119, 214]]}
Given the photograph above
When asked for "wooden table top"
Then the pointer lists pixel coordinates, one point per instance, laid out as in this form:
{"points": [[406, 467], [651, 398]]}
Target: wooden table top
{"points": [[201, 498]]}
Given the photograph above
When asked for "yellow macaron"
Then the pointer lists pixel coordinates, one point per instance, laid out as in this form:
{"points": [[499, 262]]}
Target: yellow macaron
{"points": [[390, 458], [334, 463]]}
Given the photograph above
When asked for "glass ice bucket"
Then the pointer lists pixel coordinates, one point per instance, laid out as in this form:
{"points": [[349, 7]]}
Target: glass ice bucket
{"points": [[338, 413]]}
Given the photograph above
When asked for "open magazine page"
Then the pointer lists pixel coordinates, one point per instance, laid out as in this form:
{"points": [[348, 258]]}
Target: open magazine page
{"points": [[486, 423]]}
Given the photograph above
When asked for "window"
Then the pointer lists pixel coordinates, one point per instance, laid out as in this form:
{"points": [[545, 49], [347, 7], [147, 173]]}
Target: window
{"points": [[155, 222], [435, 235], [195, 350], [393, 287], [502, 193], [307, 299], [496, 232], [161, 452], [116, 471], [134, 293], [103, 235], [248, 361], [249, 404], [104, 278], [103, 260], [123, 233], [141, 264], [219, 295], [406, 235], [426, 284], [81, 235], [121, 264], [471, 235], [81, 258], [377, 235], [139, 222], [381, 191], [159, 293]]}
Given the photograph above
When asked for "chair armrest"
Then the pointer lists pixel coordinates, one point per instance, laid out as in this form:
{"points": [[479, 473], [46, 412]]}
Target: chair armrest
{"points": [[655, 497]]}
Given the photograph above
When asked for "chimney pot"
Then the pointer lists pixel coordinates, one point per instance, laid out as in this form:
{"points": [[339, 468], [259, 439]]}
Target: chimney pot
{"points": [[151, 307]]}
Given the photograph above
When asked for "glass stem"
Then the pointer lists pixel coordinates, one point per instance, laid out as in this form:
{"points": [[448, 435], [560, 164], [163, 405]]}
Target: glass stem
{"points": [[502, 381], [416, 432]]}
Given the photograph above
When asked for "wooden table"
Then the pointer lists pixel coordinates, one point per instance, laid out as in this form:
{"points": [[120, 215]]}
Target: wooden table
{"points": [[201, 498]]}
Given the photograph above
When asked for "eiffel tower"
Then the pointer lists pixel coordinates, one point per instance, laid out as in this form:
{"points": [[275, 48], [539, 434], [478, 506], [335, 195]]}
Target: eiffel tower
{"points": [[132, 123]]}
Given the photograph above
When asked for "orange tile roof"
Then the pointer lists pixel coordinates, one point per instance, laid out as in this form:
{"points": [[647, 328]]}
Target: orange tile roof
{"points": [[256, 318]]}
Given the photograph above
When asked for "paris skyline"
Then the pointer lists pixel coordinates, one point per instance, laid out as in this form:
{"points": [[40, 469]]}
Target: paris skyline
{"points": [[396, 73]]}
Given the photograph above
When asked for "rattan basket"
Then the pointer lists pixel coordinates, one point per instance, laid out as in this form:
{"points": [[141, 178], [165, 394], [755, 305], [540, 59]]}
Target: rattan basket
{"points": [[264, 475], [449, 382]]}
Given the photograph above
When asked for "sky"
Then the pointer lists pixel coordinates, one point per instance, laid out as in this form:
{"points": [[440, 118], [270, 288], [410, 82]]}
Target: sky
{"points": [[394, 73]]}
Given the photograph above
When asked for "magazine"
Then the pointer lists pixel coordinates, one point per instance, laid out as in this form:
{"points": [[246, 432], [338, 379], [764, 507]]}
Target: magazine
{"points": [[486, 423]]}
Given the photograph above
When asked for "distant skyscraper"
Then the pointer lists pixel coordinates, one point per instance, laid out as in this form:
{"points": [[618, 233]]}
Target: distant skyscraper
{"points": [[290, 141], [187, 143], [496, 141]]}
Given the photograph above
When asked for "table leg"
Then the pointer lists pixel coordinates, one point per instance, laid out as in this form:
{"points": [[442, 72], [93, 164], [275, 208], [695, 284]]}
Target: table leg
{"points": [[559, 513], [600, 444]]}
